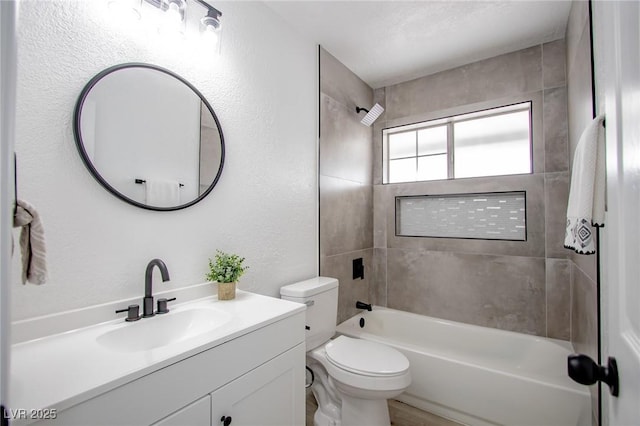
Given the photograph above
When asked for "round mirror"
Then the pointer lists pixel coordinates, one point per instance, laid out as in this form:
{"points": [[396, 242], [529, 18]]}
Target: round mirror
{"points": [[149, 137]]}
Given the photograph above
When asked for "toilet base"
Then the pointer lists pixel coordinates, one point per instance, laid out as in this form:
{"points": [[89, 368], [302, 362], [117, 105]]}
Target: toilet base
{"points": [[370, 412], [356, 401], [321, 419], [356, 412]]}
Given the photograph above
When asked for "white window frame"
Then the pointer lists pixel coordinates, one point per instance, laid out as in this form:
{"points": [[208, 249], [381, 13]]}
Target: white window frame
{"points": [[449, 121]]}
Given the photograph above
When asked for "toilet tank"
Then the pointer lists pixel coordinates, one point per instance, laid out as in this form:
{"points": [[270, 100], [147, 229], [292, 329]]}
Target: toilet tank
{"points": [[320, 294]]}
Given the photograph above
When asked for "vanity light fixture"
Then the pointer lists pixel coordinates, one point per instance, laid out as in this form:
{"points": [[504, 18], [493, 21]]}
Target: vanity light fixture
{"points": [[174, 15]]}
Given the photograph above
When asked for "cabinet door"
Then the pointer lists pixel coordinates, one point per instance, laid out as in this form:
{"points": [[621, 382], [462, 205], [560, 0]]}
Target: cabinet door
{"points": [[195, 414], [270, 395]]}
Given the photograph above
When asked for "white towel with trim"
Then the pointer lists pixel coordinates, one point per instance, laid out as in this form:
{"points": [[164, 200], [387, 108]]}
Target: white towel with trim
{"points": [[586, 195], [32, 243], [162, 193]]}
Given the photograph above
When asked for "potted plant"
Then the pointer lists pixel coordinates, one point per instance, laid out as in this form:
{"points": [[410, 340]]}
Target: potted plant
{"points": [[226, 269]]}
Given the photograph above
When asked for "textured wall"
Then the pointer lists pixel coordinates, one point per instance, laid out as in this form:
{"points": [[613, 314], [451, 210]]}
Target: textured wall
{"points": [[518, 286], [584, 320], [346, 195], [265, 204]]}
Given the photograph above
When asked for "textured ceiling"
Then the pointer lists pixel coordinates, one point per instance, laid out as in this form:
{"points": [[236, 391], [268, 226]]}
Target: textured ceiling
{"points": [[386, 42]]}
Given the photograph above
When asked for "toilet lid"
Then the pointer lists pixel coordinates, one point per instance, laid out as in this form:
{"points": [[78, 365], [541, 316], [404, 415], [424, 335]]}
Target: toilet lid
{"points": [[365, 357]]}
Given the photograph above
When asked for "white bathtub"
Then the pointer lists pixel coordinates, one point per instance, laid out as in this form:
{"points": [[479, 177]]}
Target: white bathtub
{"points": [[478, 375]]}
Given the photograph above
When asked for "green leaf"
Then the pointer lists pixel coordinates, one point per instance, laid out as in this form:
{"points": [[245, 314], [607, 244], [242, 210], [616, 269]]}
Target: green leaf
{"points": [[225, 268]]}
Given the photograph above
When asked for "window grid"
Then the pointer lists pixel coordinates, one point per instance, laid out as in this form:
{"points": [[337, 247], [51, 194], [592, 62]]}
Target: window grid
{"points": [[450, 151], [416, 152], [449, 122]]}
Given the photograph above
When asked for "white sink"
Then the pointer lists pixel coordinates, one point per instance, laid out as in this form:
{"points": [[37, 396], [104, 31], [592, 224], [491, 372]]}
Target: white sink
{"points": [[162, 330]]}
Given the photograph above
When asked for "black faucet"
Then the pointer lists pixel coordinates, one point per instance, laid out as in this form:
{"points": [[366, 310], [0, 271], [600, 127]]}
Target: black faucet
{"points": [[147, 306], [362, 305]]}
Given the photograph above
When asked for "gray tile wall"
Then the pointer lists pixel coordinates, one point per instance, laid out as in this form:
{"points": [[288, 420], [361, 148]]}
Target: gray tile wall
{"points": [[494, 78], [583, 269], [346, 191], [535, 287], [506, 292], [517, 286]]}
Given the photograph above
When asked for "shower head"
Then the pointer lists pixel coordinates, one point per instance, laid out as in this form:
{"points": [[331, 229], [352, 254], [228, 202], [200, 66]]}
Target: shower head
{"points": [[372, 115]]}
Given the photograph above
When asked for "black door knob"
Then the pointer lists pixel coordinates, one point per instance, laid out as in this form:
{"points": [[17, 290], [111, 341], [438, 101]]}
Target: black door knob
{"points": [[585, 371], [226, 420]]}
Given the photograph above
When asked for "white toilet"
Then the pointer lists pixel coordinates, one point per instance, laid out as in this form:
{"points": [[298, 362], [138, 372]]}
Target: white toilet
{"points": [[352, 378]]}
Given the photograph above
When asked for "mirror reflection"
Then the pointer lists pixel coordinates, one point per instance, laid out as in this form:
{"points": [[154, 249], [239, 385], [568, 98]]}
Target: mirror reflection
{"points": [[149, 137]]}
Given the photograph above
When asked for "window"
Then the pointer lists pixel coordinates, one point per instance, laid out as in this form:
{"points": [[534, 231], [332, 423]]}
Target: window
{"points": [[485, 143]]}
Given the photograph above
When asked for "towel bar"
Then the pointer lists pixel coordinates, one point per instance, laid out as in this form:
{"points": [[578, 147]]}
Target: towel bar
{"points": [[141, 181]]}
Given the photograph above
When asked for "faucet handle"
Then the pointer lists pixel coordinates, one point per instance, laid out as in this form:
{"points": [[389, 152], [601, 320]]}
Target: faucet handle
{"points": [[133, 312], [162, 305]]}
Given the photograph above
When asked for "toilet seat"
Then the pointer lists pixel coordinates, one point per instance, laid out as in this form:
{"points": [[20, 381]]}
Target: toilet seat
{"points": [[366, 358], [374, 384]]}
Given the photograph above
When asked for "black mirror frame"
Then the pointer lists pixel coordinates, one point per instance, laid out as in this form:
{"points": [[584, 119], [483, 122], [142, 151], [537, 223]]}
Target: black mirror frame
{"points": [[94, 172]]}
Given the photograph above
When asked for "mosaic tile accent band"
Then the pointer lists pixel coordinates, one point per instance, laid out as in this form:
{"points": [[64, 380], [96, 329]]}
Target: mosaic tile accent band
{"points": [[488, 216]]}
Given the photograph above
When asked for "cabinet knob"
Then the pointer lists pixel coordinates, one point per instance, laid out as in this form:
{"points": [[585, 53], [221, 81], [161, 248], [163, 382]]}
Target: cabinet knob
{"points": [[226, 420]]}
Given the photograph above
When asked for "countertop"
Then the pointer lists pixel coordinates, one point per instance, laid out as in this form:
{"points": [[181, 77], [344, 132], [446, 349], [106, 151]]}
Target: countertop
{"points": [[65, 369]]}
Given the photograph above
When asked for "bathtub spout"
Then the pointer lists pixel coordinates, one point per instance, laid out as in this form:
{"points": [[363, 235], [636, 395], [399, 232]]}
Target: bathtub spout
{"points": [[362, 305]]}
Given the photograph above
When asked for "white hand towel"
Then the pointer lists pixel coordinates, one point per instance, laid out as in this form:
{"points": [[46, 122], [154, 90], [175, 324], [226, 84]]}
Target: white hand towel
{"points": [[162, 193], [586, 195], [32, 243]]}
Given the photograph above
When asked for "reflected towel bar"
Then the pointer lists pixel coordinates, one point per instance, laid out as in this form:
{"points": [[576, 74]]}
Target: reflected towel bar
{"points": [[141, 181]]}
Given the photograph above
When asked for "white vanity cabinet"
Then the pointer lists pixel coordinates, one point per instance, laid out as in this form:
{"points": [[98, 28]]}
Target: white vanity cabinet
{"points": [[256, 378], [267, 396], [195, 414]]}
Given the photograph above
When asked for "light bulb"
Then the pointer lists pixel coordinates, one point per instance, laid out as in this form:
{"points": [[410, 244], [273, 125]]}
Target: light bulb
{"points": [[211, 29], [211, 40], [173, 13], [173, 19]]}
